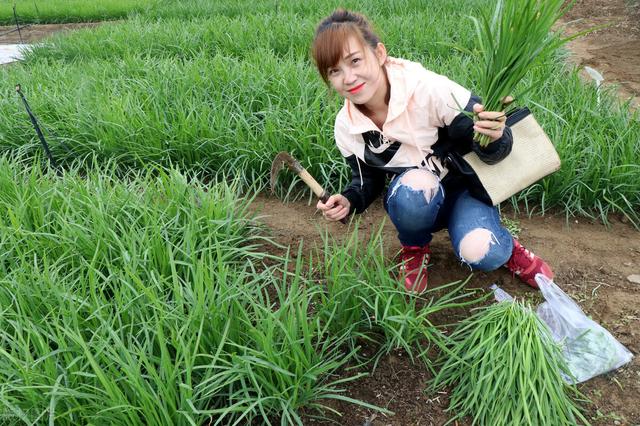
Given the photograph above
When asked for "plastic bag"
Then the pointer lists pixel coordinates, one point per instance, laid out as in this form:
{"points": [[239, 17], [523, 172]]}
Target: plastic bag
{"points": [[588, 348]]}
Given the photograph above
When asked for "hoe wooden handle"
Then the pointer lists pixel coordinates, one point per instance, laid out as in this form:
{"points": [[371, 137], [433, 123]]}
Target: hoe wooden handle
{"points": [[312, 183], [317, 189]]}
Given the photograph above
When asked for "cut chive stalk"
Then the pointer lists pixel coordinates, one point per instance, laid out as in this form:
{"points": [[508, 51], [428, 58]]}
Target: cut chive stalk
{"points": [[503, 368], [511, 41]]}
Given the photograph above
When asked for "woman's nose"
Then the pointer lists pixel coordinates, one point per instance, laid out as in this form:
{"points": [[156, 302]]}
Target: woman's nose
{"points": [[349, 76]]}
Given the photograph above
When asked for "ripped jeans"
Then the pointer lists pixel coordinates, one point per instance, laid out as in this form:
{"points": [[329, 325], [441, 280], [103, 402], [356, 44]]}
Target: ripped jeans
{"points": [[418, 207]]}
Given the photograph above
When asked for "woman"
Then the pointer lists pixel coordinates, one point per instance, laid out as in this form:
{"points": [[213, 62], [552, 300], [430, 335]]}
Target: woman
{"points": [[397, 120]]}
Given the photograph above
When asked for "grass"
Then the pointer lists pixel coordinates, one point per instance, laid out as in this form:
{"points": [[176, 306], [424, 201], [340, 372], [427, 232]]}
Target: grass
{"points": [[117, 282], [149, 298], [143, 307], [362, 288], [62, 11], [135, 293]]}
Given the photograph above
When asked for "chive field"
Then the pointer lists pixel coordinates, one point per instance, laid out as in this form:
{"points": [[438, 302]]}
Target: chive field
{"points": [[203, 92], [136, 287], [146, 299], [62, 11]]}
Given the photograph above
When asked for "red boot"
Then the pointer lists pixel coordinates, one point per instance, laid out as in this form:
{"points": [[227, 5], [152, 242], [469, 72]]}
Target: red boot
{"points": [[526, 265], [413, 270]]}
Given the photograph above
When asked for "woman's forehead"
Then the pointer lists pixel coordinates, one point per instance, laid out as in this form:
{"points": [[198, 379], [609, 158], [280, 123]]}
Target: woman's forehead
{"points": [[351, 47]]}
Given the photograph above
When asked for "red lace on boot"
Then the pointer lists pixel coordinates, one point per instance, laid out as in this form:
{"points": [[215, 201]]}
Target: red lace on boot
{"points": [[414, 267], [526, 265]]}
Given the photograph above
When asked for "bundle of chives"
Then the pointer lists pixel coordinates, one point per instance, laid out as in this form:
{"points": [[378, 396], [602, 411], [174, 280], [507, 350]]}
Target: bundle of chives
{"points": [[503, 368], [509, 43]]}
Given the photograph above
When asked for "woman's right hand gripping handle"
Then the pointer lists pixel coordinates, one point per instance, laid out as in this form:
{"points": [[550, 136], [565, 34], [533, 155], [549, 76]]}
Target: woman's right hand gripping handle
{"points": [[335, 208]]}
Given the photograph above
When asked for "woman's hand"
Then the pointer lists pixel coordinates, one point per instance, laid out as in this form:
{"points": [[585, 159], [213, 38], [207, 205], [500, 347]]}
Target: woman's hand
{"points": [[490, 123], [336, 207]]}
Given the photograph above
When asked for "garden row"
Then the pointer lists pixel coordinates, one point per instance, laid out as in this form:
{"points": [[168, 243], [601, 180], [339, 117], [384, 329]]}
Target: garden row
{"points": [[147, 299]]}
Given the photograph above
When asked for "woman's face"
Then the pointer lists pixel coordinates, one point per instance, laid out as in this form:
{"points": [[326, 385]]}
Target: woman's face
{"points": [[358, 76]]}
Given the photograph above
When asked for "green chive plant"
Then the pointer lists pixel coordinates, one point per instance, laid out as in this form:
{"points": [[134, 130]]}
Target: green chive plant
{"points": [[59, 11], [143, 300], [509, 43], [503, 368], [361, 287]]}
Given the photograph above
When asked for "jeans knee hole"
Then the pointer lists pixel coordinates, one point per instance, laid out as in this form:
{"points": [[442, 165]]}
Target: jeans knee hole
{"points": [[421, 181], [475, 245]]}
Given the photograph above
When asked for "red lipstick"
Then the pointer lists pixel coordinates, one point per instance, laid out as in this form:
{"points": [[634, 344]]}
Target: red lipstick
{"points": [[356, 89]]}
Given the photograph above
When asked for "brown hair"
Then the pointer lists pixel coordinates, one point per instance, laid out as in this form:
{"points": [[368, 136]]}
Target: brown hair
{"points": [[332, 35]]}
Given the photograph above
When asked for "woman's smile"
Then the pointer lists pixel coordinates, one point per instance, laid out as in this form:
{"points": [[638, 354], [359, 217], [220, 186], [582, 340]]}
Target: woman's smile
{"points": [[356, 89]]}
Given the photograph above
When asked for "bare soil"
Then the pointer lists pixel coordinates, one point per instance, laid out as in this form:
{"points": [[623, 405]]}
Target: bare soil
{"points": [[35, 33], [591, 263], [614, 50]]}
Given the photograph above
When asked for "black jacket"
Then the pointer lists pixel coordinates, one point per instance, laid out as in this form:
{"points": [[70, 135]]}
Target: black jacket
{"points": [[369, 180]]}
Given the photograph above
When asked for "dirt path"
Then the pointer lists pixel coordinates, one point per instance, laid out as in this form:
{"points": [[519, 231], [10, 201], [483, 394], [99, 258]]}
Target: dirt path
{"points": [[591, 262], [35, 33], [614, 50]]}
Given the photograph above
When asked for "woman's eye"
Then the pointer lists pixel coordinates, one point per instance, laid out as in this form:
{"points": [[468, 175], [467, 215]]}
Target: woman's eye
{"points": [[355, 60], [333, 71]]}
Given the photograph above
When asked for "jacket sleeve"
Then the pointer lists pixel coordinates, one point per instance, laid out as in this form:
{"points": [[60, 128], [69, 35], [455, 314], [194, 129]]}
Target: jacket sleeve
{"points": [[367, 183], [461, 129]]}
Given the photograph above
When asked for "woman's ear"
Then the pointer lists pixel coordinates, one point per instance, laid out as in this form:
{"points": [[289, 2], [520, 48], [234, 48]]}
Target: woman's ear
{"points": [[381, 53]]}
